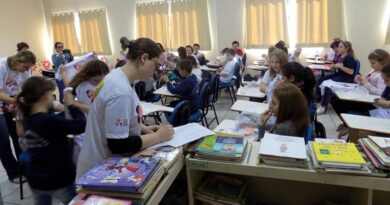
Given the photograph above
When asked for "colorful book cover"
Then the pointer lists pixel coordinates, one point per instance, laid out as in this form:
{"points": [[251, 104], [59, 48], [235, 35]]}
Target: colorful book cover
{"points": [[100, 200], [370, 155], [337, 152], [385, 159], [120, 174], [223, 144]]}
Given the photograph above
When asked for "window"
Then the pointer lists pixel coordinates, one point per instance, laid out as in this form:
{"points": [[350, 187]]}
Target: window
{"points": [[83, 31], [318, 21], [94, 32], [175, 23], [266, 22], [64, 31]]}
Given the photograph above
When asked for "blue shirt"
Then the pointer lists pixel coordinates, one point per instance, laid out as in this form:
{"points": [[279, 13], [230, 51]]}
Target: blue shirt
{"points": [[386, 93], [188, 90], [58, 60]]}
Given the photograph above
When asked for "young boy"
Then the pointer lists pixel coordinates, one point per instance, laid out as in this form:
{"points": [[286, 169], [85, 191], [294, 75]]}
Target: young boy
{"points": [[187, 89], [201, 57], [228, 71]]}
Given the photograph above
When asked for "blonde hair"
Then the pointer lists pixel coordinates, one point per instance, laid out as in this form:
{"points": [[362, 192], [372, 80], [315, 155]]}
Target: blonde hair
{"points": [[282, 58], [21, 57]]}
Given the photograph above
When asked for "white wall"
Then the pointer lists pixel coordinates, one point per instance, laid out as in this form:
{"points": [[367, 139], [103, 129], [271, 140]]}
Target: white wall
{"points": [[363, 27], [22, 20]]}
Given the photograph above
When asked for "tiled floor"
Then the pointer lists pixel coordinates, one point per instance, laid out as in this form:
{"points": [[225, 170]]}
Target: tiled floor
{"points": [[10, 191]]}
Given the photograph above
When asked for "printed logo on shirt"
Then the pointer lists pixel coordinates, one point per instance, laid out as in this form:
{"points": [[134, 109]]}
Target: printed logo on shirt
{"points": [[121, 122], [90, 94], [97, 90], [9, 82]]}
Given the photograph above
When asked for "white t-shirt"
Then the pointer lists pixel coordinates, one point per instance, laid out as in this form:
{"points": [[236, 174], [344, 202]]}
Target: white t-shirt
{"points": [[229, 70], [115, 113], [198, 73], [331, 55], [10, 83], [85, 92], [267, 78]]}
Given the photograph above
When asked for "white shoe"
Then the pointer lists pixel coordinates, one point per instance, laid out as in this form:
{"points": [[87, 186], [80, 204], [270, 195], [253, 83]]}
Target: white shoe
{"points": [[320, 110]]}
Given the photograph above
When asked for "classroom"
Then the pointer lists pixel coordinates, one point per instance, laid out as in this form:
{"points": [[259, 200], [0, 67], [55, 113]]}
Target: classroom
{"points": [[176, 102]]}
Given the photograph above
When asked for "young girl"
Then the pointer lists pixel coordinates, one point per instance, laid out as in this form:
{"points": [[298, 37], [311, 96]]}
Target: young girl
{"points": [[383, 103], [278, 59], [300, 76], [195, 69], [85, 81], [289, 106], [114, 123], [14, 70], [47, 156], [344, 70]]}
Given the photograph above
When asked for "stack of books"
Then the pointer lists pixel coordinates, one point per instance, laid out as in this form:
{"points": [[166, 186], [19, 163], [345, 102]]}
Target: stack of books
{"points": [[168, 155], [223, 147], [377, 150], [87, 199], [129, 177], [337, 157], [221, 190], [285, 151]]}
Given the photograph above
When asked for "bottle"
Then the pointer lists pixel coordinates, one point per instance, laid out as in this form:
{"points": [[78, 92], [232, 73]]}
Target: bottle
{"points": [[316, 56]]}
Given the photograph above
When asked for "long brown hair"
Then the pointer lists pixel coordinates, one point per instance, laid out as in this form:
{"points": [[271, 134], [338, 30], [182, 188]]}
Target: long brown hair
{"points": [[348, 46], [90, 69], [380, 55], [292, 106], [32, 91], [143, 45], [282, 59]]}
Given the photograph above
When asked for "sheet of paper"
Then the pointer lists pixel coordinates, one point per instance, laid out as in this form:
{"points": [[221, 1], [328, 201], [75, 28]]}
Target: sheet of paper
{"points": [[185, 134]]}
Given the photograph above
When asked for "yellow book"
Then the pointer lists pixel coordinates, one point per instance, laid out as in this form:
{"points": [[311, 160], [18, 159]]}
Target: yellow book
{"points": [[337, 152]]}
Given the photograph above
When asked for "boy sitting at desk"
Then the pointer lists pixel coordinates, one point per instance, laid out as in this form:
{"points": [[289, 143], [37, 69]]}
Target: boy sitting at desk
{"points": [[228, 70], [187, 88]]}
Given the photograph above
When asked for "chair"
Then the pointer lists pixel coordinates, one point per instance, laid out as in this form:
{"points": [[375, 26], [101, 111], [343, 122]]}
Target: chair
{"points": [[230, 86], [205, 93], [213, 97], [180, 115], [243, 62], [356, 71]]}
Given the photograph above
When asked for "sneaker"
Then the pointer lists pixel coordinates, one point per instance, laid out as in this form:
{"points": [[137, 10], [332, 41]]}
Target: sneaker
{"points": [[340, 127], [343, 132], [320, 110]]}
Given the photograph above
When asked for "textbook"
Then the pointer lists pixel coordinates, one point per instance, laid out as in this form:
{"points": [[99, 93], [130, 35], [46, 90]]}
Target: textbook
{"points": [[382, 142], [379, 153], [222, 189], [121, 174], [87, 199], [335, 152], [372, 157], [167, 154], [222, 146]]}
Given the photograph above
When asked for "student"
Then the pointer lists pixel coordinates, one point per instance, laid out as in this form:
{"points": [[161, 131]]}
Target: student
{"points": [[14, 70], [85, 82], [332, 53], [195, 69], [267, 56], [199, 55], [47, 155], [60, 58], [278, 59], [22, 46], [221, 58], [182, 52], [124, 44], [226, 75], [187, 89], [289, 106], [282, 45], [114, 124], [190, 52], [344, 70], [237, 49], [384, 100], [295, 56], [164, 56], [300, 76]]}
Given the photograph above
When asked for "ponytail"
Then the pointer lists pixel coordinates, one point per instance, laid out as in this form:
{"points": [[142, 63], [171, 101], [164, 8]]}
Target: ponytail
{"points": [[90, 69]]}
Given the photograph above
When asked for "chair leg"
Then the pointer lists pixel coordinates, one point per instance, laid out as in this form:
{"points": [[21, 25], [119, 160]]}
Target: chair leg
{"points": [[215, 113], [234, 94], [21, 180], [231, 97]]}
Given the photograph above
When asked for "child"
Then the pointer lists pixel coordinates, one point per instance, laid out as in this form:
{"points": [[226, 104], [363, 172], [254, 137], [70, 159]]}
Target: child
{"points": [[344, 70], [14, 70], [85, 81], [300, 76], [47, 155], [60, 58], [332, 53], [199, 55], [195, 69], [228, 70], [190, 52], [278, 59], [114, 123], [187, 89], [289, 106], [383, 103], [237, 49]]}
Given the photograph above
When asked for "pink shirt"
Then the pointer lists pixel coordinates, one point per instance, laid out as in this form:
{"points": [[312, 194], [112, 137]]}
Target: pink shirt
{"points": [[375, 83]]}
